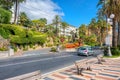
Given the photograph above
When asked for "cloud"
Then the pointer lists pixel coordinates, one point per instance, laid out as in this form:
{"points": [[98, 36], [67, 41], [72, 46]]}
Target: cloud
{"points": [[36, 9]]}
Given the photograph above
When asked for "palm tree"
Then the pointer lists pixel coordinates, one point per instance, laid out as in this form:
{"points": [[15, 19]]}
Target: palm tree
{"points": [[16, 2], [64, 26], [102, 31], [24, 20], [50, 30], [6, 4], [82, 32], [93, 26], [111, 7], [56, 21], [99, 29], [38, 24], [119, 33], [43, 20]]}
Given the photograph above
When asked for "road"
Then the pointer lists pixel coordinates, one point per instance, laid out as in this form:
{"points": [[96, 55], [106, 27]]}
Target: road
{"points": [[38, 52], [45, 63]]}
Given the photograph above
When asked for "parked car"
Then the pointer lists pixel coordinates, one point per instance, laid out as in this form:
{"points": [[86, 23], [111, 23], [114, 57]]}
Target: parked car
{"points": [[85, 50]]}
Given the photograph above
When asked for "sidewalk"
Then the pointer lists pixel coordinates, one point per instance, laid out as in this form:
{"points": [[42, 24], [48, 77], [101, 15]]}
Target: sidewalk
{"points": [[110, 70]]}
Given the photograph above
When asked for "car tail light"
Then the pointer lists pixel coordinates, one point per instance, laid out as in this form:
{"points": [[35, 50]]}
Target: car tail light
{"points": [[85, 50]]}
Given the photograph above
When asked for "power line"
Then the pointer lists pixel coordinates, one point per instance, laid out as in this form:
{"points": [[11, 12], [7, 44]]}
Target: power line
{"points": [[35, 9]]}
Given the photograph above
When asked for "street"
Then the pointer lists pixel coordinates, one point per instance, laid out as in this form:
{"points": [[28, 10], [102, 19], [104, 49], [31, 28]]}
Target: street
{"points": [[39, 51], [45, 63]]}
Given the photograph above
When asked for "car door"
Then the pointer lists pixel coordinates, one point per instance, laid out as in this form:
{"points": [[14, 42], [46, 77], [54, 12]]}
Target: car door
{"points": [[90, 51]]}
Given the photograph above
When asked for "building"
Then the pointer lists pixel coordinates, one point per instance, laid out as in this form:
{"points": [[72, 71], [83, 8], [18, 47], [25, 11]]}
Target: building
{"points": [[68, 31], [12, 18]]}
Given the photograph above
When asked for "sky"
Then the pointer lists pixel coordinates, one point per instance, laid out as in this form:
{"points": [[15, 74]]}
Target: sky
{"points": [[74, 12]]}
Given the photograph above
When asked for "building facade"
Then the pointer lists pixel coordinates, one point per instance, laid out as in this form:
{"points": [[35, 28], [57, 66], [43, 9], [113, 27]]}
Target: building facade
{"points": [[68, 31]]}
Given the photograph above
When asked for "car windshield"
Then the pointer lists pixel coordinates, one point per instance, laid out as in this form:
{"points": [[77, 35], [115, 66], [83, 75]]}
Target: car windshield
{"points": [[89, 49]]}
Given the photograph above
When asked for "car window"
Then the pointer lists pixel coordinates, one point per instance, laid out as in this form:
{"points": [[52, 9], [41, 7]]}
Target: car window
{"points": [[89, 49], [82, 48]]}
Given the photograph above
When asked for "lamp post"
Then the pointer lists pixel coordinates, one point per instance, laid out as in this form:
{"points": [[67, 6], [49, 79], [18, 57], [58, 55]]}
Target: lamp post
{"points": [[111, 23], [108, 20]]}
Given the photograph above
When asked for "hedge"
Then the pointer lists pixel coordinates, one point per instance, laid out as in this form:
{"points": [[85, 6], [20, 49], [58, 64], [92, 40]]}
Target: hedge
{"points": [[14, 29], [20, 35], [21, 40]]}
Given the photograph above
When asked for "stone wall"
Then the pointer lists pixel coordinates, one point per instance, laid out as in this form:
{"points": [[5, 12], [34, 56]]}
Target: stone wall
{"points": [[4, 54]]}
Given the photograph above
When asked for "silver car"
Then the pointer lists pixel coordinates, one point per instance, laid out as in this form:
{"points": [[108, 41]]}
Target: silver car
{"points": [[85, 50]]}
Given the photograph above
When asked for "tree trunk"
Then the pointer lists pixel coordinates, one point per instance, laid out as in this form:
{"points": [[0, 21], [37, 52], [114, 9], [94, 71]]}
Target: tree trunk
{"points": [[88, 32], [118, 33], [101, 37], [56, 30], [114, 34], [16, 11]]}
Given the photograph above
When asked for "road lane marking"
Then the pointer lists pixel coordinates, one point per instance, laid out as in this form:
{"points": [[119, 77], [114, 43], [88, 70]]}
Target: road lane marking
{"points": [[12, 64]]}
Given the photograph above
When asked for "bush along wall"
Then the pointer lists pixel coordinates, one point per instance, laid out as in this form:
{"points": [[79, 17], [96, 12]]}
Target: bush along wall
{"points": [[20, 36], [115, 51]]}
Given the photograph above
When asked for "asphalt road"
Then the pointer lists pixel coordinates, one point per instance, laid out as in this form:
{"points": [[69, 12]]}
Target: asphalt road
{"points": [[38, 52], [45, 63]]}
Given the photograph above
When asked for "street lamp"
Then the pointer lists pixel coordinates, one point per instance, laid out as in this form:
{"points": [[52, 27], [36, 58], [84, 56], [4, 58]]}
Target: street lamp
{"points": [[112, 16], [109, 20]]}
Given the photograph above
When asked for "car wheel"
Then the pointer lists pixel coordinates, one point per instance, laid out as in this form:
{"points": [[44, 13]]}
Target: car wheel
{"points": [[92, 55], [87, 55], [78, 54]]}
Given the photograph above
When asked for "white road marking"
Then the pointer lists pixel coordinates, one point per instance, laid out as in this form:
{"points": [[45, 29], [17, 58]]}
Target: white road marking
{"points": [[12, 64]]}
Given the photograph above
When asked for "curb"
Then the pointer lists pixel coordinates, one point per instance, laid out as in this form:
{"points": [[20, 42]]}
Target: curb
{"points": [[43, 75]]}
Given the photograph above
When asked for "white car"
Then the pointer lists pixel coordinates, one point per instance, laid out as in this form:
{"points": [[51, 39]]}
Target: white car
{"points": [[85, 50]]}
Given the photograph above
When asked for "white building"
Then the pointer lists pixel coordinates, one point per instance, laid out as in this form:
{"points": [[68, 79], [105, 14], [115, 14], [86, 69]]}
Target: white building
{"points": [[12, 18], [68, 31]]}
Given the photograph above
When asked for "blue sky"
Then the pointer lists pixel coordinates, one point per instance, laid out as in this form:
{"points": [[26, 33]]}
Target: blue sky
{"points": [[74, 12], [78, 12]]}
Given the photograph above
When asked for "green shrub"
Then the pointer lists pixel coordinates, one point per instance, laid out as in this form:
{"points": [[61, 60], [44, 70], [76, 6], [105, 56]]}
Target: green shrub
{"points": [[56, 41], [19, 40], [119, 47], [31, 45], [30, 33], [5, 16], [3, 33], [20, 36], [12, 30], [15, 48], [49, 45], [115, 51], [21, 46], [63, 47], [53, 49], [34, 47], [25, 48], [3, 49]]}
